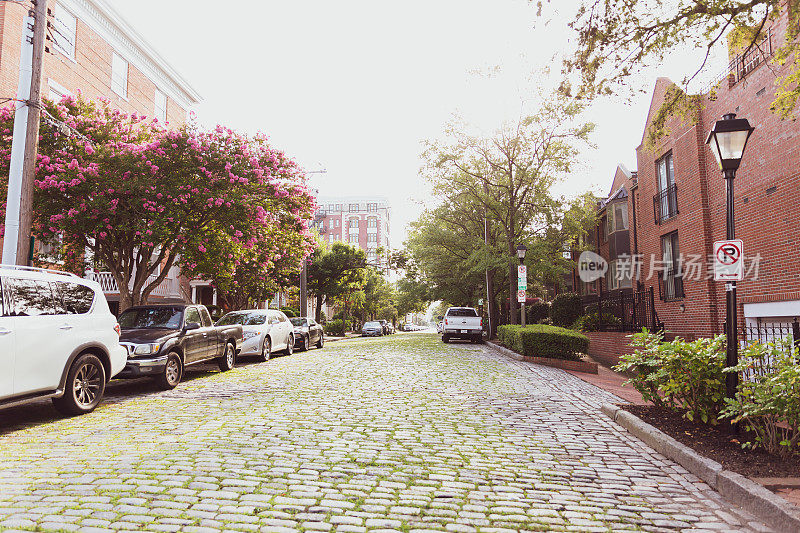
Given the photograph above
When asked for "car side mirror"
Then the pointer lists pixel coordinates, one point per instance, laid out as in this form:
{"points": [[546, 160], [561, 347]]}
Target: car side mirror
{"points": [[190, 326]]}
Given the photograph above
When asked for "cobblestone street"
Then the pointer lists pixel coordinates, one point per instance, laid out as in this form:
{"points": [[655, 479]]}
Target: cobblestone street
{"points": [[402, 433]]}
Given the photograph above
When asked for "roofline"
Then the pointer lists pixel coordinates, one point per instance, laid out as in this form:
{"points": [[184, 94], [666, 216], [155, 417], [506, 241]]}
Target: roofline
{"points": [[181, 89]]}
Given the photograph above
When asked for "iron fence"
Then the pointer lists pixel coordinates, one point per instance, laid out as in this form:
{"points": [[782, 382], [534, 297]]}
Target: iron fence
{"points": [[776, 333], [624, 311]]}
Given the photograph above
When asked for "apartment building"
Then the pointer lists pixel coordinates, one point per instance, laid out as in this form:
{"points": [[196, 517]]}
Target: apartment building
{"points": [[93, 50], [679, 177], [362, 221]]}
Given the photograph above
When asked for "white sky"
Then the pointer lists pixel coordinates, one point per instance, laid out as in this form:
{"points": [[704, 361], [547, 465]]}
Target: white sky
{"points": [[354, 86]]}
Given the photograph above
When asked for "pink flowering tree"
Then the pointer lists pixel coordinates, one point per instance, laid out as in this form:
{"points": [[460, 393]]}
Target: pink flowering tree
{"points": [[142, 198]]}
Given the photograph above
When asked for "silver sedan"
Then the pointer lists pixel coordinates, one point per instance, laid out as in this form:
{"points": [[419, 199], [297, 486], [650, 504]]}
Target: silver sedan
{"points": [[265, 331]]}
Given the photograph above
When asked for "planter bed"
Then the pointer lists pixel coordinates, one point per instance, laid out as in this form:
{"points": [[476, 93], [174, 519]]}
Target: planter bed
{"points": [[712, 442], [583, 365]]}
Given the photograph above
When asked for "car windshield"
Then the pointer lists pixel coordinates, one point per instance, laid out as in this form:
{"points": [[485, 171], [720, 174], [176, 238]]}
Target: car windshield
{"points": [[372, 325], [243, 319], [298, 321], [152, 317], [462, 311]]}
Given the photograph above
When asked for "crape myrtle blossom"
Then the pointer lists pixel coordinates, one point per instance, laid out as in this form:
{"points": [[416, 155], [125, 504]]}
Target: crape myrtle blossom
{"points": [[142, 197]]}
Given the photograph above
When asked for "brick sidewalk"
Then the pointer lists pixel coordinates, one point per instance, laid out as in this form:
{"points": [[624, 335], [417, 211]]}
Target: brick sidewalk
{"points": [[612, 382]]}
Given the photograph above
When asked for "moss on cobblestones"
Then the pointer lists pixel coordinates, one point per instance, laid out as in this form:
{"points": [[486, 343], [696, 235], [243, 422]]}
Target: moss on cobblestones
{"points": [[402, 432]]}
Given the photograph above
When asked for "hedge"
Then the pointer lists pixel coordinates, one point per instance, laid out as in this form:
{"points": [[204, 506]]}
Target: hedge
{"points": [[337, 328], [540, 340], [565, 309]]}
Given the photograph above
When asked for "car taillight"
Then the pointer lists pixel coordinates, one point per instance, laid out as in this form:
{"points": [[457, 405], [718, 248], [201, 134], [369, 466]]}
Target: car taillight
{"points": [[116, 328], [446, 323], [480, 322]]}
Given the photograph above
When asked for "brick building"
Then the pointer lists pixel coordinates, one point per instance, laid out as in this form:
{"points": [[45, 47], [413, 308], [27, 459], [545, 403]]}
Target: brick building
{"points": [[91, 49], [677, 204], [362, 221]]}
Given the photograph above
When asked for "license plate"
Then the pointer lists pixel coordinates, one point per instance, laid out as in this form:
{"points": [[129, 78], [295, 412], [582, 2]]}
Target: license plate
{"points": [[463, 331]]}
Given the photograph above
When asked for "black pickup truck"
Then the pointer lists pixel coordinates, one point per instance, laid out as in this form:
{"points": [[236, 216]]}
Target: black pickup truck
{"points": [[162, 340]]}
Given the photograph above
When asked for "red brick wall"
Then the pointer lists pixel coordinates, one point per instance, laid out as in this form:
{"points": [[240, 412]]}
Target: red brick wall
{"points": [[89, 74], [606, 347]]}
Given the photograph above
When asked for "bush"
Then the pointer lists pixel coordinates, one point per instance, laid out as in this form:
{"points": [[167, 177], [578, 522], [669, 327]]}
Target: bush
{"points": [[591, 322], [565, 309], [680, 375], [291, 312], [768, 399], [337, 327], [539, 340], [537, 312]]}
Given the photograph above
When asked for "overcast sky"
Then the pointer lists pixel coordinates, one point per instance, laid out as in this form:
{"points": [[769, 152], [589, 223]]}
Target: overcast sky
{"points": [[354, 86]]}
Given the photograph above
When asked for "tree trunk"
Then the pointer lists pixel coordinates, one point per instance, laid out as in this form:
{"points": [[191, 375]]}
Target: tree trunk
{"points": [[318, 311]]}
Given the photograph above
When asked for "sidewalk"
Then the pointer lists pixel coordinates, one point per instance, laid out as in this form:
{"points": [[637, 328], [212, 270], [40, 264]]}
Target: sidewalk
{"points": [[611, 381]]}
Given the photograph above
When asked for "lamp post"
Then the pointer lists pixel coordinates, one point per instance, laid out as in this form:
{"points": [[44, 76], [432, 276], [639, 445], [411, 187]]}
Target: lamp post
{"points": [[727, 140], [522, 281]]}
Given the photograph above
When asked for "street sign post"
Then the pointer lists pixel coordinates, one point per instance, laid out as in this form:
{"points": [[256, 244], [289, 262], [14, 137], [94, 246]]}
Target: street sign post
{"points": [[728, 260]]}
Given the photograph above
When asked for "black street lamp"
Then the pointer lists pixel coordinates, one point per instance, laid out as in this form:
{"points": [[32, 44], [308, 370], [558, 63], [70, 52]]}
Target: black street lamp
{"points": [[521, 249], [727, 140]]}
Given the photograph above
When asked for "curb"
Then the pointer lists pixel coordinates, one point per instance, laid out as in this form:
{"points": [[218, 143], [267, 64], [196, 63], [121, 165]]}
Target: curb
{"points": [[747, 494], [564, 364], [505, 351]]}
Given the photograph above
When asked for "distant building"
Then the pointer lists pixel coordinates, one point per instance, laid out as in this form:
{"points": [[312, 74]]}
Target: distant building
{"points": [[362, 221]]}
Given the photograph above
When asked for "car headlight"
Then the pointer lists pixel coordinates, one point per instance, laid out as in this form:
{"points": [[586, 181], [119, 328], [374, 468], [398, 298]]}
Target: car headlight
{"points": [[147, 349], [249, 334]]}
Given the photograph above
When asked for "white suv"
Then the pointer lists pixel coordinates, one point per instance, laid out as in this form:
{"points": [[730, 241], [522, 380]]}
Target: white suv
{"points": [[58, 339]]}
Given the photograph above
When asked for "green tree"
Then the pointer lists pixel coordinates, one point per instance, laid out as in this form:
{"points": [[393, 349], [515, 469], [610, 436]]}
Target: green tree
{"points": [[334, 272]]}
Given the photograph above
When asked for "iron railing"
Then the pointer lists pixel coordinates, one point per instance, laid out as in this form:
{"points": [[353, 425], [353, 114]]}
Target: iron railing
{"points": [[167, 288], [665, 204], [624, 311], [774, 332], [743, 64]]}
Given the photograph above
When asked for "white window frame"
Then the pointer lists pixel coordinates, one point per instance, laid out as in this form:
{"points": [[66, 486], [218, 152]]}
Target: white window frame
{"points": [[160, 106], [119, 84], [56, 91], [65, 26]]}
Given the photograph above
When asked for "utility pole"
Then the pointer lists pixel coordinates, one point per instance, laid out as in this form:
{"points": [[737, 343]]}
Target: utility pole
{"points": [[25, 141]]}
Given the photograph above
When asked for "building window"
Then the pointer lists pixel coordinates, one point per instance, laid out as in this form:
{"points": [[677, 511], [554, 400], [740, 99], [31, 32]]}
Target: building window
{"points": [[372, 238], [160, 100], [119, 75], [665, 203], [64, 31], [353, 239], [337, 222], [604, 229], [330, 237], [56, 91], [372, 223], [372, 208], [353, 208], [670, 277], [617, 218], [619, 275], [330, 223], [353, 223], [338, 207]]}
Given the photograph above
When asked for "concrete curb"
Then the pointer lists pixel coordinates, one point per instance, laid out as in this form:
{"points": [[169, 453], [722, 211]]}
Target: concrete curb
{"points": [[749, 495], [586, 367], [505, 351]]}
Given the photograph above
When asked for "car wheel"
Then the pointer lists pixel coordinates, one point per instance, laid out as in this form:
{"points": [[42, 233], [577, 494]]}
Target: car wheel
{"points": [[86, 383], [289, 346], [321, 341], [306, 343], [228, 359], [445, 339], [172, 374], [266, 349]]}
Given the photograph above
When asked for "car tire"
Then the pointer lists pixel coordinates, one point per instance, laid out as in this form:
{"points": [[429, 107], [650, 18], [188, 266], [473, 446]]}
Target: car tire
{"points": [[172, 373], [84, 388], [228, 359], [321, 341], [445, 339], [266, 349], [306, 344], [289, 346]]}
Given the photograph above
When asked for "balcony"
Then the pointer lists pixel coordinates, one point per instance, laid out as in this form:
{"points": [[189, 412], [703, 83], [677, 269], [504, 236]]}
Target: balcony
{"points": [[665, 204], [168, 288]]}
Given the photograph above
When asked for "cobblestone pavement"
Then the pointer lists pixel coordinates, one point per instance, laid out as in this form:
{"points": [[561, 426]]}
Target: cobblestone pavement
{"points": [[396, 434]]}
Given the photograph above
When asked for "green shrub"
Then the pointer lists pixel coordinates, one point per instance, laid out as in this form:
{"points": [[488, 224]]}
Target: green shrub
{"points": [[337, 327], [291, 312], [591, 322], [565, 309], [535, 313], [681, 375], [768, 398], [539, 340]]}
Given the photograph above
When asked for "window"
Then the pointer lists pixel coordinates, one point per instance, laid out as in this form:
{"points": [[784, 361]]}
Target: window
{"points": [[119, 75], [330, 223], [372, 208], [372, 238], [27, 297], [604, 229], [617, 219], [152, 317], [337, 223], [353, 239], [64, 31], [206, 317], [619, 275], [160, 101], [330, 237], [338, 207], [353, 223], [193, 316], [56, 91], [353, 208], [78, 299], [372, 223], [665, 203], [671, 281]]}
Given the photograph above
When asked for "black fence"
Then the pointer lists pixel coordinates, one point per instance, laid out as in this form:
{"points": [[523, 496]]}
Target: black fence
{"points": [[624, 311], [773, 332]]}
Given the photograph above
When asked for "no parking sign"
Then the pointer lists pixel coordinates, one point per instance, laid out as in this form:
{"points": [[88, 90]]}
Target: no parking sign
{"points": [[728, 260]]}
